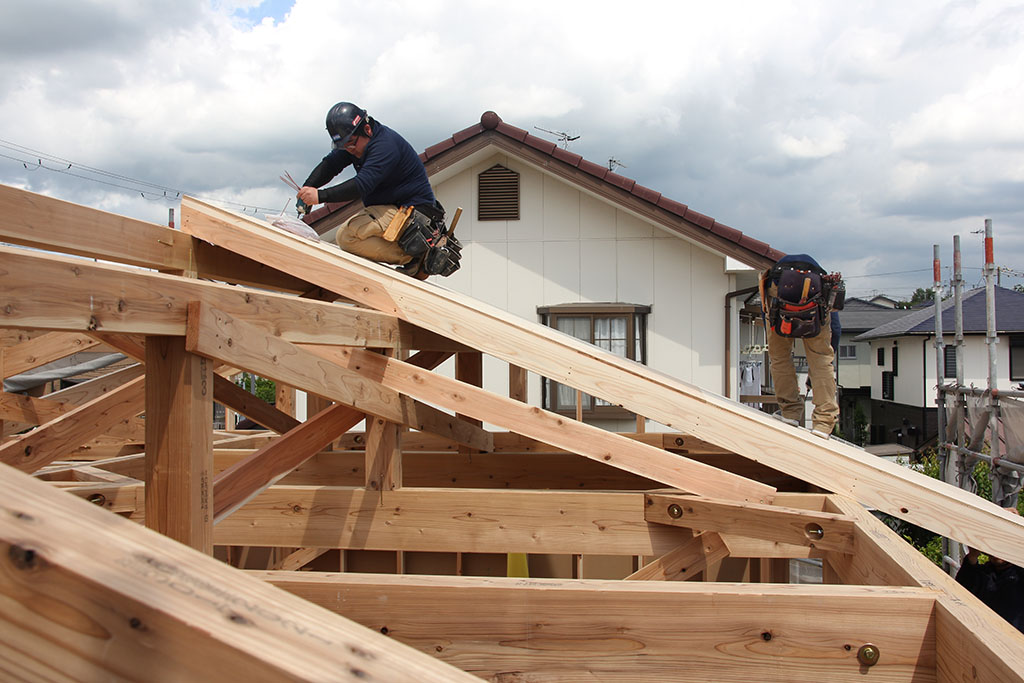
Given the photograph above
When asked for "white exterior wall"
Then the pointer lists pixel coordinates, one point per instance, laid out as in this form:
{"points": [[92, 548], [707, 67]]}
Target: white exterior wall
{"points": [[857, 372], [915, 384], [569, 247]]}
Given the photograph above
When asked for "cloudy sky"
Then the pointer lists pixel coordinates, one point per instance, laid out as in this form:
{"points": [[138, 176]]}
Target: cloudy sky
{"points": [[861, 132]]}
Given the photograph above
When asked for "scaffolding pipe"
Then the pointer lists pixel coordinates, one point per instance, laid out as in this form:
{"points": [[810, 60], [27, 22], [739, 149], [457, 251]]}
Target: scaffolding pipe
{"points": [[940, 397], [994, 462]]}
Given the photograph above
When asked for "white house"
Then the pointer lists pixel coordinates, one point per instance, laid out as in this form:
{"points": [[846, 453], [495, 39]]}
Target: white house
{"points": [[903, 377], [553, 237]]}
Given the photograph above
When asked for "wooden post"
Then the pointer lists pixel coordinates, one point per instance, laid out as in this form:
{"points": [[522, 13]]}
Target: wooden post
{"points": [[469, 368], [179, 443], [517, 387], [284, 398]]}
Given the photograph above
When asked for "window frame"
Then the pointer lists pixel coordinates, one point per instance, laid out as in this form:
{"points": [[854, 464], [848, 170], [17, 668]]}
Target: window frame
{"points": [[1016, 341], [880, 357], [635, 316]]}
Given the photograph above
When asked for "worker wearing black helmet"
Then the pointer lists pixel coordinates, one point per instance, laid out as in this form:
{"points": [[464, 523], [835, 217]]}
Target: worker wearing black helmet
{"points": [[389, 175]]}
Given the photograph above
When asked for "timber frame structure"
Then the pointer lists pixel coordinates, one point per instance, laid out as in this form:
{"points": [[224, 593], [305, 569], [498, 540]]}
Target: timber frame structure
{"points": [[88, 590]]}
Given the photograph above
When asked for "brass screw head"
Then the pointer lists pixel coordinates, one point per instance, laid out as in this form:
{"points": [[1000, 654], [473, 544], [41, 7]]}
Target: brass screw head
{"points": [[868, 654], [674, 511]]}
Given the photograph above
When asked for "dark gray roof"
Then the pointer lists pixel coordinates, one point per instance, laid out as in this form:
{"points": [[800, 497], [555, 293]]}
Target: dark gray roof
{"points": [[1009, 305], [859, 315]]}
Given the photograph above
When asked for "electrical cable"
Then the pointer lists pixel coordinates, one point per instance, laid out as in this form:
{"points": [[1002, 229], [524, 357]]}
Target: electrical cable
{"points": [[140, 184]]}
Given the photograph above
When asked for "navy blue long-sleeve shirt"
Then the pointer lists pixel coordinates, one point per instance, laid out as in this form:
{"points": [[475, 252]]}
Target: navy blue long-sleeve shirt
{"points": [[389, 172]]}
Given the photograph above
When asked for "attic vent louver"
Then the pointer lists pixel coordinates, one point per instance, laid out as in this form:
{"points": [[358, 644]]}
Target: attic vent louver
{"points": [[499, 195]]}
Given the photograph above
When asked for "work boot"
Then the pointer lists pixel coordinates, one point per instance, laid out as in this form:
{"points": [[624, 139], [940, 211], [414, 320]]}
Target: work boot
{"points": [[414, 268], [779, 416]]}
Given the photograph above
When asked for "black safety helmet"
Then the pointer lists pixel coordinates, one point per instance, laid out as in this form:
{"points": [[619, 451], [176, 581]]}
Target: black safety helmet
{"points": [[343, 120]]}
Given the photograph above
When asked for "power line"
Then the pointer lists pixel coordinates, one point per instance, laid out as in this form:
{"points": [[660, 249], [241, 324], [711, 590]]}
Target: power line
{"points": [[141, 186]]}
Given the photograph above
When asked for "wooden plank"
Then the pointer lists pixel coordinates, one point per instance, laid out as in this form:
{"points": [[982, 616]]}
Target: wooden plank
{"points": [[837, 466], [62, 435], [108, 298], [38, 221], [556, 630], [821, 530], [449, 520], [215, 334], [256, 409], [584, 439], [179, 446], [42, 350], [242, 480], [246, 478], [298, 559], [87, 391], [684, 562], [383, 455], [28, 410], [87, 595], [973, 643]]}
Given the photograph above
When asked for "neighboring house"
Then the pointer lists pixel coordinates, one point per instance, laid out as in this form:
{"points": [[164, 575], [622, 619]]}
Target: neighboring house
{"points": [[855, 362], [903, 361], [885, 301], [551, 237]]}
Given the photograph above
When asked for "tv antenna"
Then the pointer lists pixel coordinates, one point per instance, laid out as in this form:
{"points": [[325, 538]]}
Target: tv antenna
{"points": [[613, 162], [563, 137]]}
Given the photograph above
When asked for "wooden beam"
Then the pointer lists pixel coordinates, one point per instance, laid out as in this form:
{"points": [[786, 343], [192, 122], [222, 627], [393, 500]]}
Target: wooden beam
{"points": [[239, 483], [584, 439], [87, 595], [684, 562], [298, 559], [449, 520], [108, 298], [64, 434], [821, 530], [28, 410], [244, 479], [973, 643], [214, 334], [179, 447], [46, 223], [256, 409], [549, 629], [88, 390], [42, 350], [838, 467]]}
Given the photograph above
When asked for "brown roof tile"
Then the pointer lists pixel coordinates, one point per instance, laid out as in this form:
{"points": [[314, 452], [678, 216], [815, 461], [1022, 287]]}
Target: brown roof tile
{"points": [[543, 145], [567, 156], [620, 181], [467, 133], [646, 194], [511, 131], [723, 230], [442, 146], [593, 169], [700, 219], [672, 206]]}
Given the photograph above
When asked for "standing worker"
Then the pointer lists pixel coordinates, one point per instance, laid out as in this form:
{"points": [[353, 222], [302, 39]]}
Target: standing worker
{"points": [[389, 175], [799, 298]]}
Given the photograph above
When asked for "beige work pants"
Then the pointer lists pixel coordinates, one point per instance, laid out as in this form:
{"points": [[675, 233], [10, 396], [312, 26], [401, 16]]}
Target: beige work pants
{"points": [[362, 236], [818, 350]]}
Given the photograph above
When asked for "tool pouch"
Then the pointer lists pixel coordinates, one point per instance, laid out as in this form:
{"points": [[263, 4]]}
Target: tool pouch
{"points": [[789, 320], [427, 237], [798, 309]]}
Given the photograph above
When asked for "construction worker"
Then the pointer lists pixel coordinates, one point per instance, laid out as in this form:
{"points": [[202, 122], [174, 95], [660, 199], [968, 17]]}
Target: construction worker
{"points": [[389, 175], [798, 297]]}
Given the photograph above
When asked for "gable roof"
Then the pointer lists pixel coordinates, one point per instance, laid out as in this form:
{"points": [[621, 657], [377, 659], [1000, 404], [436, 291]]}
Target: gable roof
{"points": [[1009, 305], [859, 315], [626, 192]]}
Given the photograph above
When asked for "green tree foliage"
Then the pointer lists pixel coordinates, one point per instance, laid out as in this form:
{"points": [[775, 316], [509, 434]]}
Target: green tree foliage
{"points": [[920, 296], [262, 387], [930, 544]]}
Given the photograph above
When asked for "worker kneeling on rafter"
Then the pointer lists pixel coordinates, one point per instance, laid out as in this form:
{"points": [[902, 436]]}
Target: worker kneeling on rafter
{"points": [[392, 184]]}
